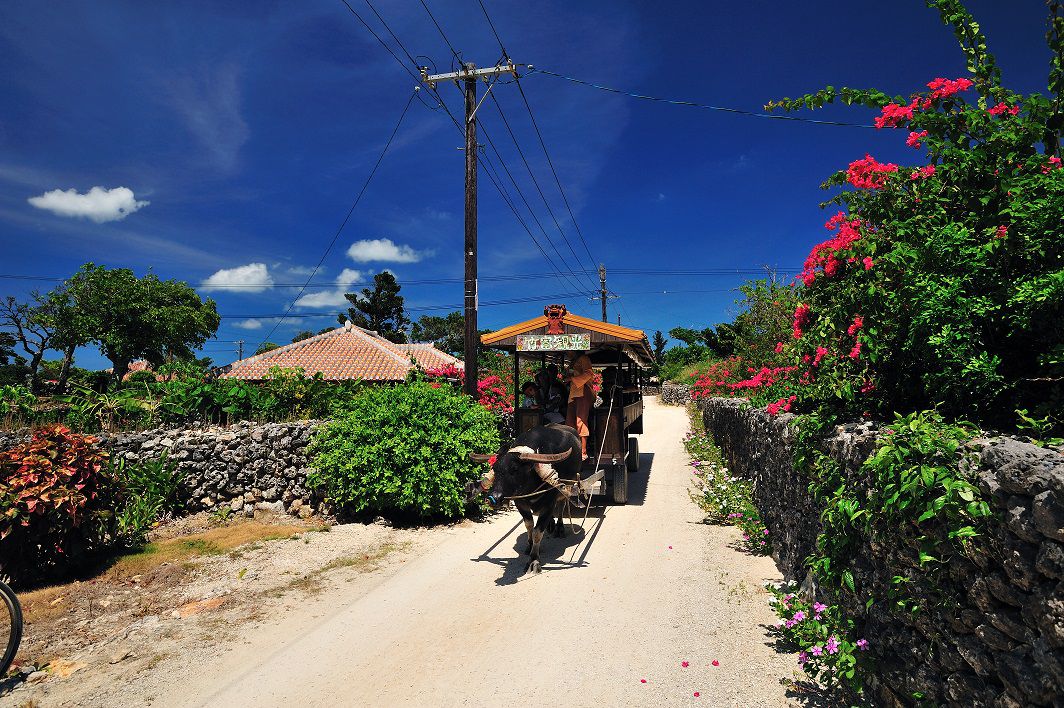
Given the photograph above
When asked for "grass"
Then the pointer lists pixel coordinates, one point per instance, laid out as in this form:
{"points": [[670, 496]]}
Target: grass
{"points": [[51, 602], [365, 563]]}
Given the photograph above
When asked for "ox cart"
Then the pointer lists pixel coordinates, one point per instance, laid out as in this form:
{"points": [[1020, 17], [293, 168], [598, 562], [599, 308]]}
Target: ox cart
{"points": [[619, 354]]}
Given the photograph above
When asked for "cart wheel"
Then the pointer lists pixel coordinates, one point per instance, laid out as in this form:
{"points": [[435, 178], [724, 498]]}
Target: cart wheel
{"points": [[620, 484], [632, 461]]}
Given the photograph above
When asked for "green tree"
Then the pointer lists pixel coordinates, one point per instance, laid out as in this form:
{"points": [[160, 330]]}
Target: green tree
{"points": [[301, 336], [130, 318], [266, 347], [447, 332], [31, 329], [660, 342], [380, 309], [7, 349]]}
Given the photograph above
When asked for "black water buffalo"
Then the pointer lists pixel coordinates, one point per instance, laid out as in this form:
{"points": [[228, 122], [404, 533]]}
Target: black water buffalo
{"points": [[533, 466]]}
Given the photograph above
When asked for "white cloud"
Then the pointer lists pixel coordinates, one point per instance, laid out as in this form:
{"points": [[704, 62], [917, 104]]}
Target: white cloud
{"points": [[382, 249], [208, 101], [98, 204], [250, 278], [331, 298], [249, 324]]}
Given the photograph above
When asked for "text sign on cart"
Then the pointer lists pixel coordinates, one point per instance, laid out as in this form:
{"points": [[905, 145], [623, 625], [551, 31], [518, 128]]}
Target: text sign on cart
{"points": [[553, 342]]}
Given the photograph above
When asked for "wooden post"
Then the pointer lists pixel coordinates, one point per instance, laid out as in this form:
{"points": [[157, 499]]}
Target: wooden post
{"points": [[471, 295], [603, 291]]}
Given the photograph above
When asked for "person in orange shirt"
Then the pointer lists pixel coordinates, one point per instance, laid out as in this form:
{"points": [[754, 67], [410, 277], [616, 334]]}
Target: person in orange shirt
{"points": [[581, 397]]}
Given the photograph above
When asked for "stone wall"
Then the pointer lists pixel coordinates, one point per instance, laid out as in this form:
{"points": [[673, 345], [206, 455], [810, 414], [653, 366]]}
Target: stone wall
{"points": [[1000, 640], [673, 394], [242, 466]]}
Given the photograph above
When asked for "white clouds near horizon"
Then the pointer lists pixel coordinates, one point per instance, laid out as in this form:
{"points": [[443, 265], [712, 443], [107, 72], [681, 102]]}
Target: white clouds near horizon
{"points": [[97, 204], [251, 278], [383, 249]]}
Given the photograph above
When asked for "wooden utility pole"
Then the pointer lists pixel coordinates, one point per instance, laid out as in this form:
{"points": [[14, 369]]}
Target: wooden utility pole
{"points": [[467, 78], [240, 349], [471, 299]]}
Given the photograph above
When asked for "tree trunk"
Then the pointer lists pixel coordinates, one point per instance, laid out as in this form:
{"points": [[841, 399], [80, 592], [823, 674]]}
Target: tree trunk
{"points": [[31, 375], [64, 372], [119, 367]]}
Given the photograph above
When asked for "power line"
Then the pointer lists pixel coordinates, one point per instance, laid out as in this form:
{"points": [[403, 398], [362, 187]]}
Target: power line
{"points": [[492, 25], [350, 211], [694, 104]]}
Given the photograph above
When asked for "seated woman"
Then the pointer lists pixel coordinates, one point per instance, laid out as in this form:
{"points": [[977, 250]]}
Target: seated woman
{"points": [[552, 394]]}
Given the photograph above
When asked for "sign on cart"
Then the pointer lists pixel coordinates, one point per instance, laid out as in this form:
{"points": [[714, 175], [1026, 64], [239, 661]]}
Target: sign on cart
{"points": [[553, 342]]}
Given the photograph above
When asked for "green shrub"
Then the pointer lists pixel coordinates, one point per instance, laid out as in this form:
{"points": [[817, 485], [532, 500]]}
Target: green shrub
{"points": [[16, 401], [55, 503], [150, 490], [403, 450], [140, 377]]}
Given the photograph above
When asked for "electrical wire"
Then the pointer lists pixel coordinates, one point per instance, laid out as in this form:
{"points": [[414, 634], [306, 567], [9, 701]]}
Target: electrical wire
{"points": [[693, 104], [350, 211]]}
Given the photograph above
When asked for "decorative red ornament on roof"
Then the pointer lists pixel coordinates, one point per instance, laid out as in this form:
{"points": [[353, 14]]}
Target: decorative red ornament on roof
{"points": [[555, 315]]}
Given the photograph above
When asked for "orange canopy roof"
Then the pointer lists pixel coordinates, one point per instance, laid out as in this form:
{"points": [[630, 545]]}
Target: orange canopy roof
{"points": [[612, 334]]}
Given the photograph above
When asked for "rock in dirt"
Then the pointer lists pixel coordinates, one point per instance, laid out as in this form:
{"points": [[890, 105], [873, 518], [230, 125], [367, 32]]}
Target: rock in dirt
{"points": [[121, 655], [37, 677]]}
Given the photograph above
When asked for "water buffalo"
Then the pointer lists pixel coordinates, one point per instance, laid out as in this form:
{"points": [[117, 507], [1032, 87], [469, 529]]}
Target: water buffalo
{"points": [[538, 464]]}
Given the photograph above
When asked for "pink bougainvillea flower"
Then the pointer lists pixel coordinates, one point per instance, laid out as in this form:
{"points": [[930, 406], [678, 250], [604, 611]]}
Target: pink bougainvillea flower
{"points": [[869, 173], [856, 351], [862, 644], [821, 352], [1003, 108], [923, 172], [697, 694], [1053, 164], [715, 662], [642, 680], [944, 88], [867, 262], [685, 664], [895, 114], [779, 347], [1002, 231], [858, 323], [914, 139], [670, 548]]}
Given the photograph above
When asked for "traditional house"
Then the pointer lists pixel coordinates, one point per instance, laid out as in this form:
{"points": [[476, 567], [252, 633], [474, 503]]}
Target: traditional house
{"points": [[342, 354]]}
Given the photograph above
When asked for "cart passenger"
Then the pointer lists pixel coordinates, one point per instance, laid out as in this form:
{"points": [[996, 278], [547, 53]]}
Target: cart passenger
{"points": [[581, 396], [530, 395], [552, 394]]}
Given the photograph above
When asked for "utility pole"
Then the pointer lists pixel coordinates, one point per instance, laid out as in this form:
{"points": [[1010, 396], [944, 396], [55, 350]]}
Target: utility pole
{"points": [[467, 78], [602, 290], [604, 293], [240, 349]]}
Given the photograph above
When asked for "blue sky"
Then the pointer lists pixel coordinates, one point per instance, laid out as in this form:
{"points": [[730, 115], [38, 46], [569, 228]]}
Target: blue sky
{"points": [[242, 131]]}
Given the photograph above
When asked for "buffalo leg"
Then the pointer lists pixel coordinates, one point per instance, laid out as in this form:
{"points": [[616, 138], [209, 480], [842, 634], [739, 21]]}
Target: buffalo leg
{"points": [[559, 526], [526, 516], [537, 537]]}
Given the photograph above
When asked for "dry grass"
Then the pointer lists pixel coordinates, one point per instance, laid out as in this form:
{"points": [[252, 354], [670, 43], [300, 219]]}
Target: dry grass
{"points": [[52, 602], [364, 563]]}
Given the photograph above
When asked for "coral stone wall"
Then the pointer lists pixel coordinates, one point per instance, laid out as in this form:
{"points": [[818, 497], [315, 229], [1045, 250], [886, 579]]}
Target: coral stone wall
{"points": [[242, 466], [673, 394], [999, 638]]}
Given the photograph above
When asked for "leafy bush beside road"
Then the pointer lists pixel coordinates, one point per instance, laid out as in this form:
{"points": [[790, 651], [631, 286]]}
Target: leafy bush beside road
{"points": [[403, 450]]}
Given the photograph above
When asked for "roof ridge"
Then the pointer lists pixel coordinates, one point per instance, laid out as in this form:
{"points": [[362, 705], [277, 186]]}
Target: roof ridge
{"points": [[381, 343]]}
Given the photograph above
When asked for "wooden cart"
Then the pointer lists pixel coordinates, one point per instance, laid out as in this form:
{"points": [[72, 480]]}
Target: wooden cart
{"points": [[558, 337]]}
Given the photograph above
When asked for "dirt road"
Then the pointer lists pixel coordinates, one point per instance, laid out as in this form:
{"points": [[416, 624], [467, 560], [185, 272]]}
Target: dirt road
{"points": [[645, 588]]}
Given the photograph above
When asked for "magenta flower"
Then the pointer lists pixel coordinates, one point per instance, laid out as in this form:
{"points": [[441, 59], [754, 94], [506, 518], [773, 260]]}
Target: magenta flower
{"points": [[799, 616], [803, 658], [832, 645], [817, 650], [819, 607], [862, 644]]}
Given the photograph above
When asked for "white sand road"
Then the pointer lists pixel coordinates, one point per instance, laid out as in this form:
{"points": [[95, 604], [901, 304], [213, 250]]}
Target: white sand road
{"points": [[645, 588]]}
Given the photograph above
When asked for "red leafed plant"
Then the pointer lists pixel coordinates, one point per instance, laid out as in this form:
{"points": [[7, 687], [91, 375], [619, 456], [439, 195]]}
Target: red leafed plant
{"points": [[56, 502]]}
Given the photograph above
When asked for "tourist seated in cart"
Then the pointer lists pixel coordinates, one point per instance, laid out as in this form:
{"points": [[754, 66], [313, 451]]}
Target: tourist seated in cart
{"points": [[581, 397], [552, 394], [530, 395]]}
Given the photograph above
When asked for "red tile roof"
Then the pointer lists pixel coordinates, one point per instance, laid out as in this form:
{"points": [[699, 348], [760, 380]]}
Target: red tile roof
{"points": [[345, 353], [428, 356]]}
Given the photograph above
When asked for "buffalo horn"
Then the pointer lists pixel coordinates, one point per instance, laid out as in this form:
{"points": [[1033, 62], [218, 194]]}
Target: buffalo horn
{"points": [[545, 457], [479, 458]]}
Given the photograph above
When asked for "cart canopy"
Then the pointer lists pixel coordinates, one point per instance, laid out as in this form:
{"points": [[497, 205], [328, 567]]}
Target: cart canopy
{"points": [[559, 330]]}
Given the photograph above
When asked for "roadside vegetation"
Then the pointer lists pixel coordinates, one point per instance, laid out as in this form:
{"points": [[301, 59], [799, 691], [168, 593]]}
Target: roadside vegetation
{"points": [[936, 306]]}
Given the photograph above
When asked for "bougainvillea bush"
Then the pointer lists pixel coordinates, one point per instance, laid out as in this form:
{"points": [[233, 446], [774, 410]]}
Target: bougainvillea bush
{"points": [[56, 503], [942, 283]]}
